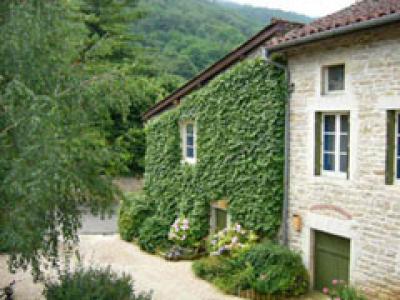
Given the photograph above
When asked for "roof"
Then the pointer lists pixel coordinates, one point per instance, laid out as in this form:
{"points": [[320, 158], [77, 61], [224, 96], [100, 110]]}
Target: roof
{"points": [[275, 29], [361, 12]]}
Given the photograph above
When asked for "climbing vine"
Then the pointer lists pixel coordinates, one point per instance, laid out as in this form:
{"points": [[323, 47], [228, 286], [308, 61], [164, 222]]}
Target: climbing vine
{"points": [[240, 138]]}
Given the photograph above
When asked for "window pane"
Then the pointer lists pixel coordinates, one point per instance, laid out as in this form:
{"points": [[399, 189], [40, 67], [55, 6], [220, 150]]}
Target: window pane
{"points": [[329, 123], [221, 216], [329, 143], [343, 163], [189, 129], [190, 152], [344, 143], [344, 124], [398, 145], [336, 78], [189, 140], [329, 162], [398, 168]]}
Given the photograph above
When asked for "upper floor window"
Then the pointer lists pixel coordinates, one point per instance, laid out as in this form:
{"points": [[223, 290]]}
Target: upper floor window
{"points": [[189, 142], [332, 143], [333, 78]]}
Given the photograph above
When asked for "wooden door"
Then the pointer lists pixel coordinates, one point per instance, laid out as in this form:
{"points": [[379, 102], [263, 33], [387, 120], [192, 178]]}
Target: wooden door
{"points": [[331, 259]]}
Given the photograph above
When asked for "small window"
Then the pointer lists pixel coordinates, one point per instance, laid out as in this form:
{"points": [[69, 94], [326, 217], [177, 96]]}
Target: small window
{"points": [[334, 78], [189, 142], [335, 145], [219, 216]]}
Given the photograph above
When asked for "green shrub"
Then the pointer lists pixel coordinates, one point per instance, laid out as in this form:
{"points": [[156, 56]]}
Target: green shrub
{"points": [[135, 209], [99, 284], [153, 234], [266, 268], [276, 270], [340, 290]]}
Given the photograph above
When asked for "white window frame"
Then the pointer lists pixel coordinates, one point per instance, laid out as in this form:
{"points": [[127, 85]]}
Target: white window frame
{"points": [[338, 133], [396, 150], [325, 74], [189, 160]]}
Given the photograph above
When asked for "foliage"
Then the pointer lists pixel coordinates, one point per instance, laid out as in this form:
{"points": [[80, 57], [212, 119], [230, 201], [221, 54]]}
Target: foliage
{"points": [[276, 270], [186, 36], [51, 155], [240, 137], [153, 234], [135, 209], [99, 284], [127, 79], [231, 240], [181, 233], [266, 268], [341, 291]]}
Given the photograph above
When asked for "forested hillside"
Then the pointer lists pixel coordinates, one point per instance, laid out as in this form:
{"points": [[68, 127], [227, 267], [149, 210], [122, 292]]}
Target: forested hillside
{"points": [[185, 36]]}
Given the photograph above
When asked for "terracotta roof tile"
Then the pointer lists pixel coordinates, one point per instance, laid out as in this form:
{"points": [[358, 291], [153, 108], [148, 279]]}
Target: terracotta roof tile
{"points": [[361, 11]]}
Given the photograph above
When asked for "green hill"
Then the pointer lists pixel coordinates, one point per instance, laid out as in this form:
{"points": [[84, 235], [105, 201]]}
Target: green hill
{"points": [[185, 36]]}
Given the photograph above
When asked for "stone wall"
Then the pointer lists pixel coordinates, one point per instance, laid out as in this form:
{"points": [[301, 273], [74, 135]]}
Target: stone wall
{"points": [[361, 208]]}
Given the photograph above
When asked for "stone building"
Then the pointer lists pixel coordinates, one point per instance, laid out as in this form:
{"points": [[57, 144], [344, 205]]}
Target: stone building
{"points": [[345, 146]]}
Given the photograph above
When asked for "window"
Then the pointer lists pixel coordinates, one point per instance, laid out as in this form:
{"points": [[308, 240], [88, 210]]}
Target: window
{"points": [[335, 143], [333, 78], [189, 142], [219, 216]]}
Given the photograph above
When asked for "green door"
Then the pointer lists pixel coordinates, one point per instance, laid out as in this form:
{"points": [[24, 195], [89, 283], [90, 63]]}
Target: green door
{"points": [[332, 259]]}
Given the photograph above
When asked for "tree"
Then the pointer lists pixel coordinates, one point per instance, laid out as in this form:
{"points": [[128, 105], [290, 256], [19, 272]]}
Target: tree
{"points": [[131, 81], [52, 153]]}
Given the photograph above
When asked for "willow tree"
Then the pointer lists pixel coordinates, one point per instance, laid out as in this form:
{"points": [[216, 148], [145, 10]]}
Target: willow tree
{"points": [[52, 152]]}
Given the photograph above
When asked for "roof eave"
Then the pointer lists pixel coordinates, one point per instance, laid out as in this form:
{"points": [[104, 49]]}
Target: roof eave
{"points": [[337, 31]]}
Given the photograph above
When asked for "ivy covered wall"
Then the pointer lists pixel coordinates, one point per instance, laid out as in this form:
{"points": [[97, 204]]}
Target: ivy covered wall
{"points": [[240, 151]]}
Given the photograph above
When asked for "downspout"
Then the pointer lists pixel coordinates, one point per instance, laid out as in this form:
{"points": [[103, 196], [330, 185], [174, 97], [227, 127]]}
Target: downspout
{"points": [[285, 208]]}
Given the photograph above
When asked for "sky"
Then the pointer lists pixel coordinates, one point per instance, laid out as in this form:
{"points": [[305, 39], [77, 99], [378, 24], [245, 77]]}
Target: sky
{"points": [[313, 8]]}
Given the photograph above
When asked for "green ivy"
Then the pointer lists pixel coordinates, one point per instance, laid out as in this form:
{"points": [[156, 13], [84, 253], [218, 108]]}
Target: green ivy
{"points": [[240, 138]]}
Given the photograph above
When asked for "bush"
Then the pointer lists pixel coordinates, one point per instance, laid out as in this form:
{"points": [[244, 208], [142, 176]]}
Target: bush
{"points": [[181, 233], [340, 290], [153, 234], [231, 240], [135, 209], [267, 268], [276, 270], [99, 284]]}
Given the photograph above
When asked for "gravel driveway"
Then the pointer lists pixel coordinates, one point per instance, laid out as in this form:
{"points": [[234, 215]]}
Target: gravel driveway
{"points": [[168, 280]]}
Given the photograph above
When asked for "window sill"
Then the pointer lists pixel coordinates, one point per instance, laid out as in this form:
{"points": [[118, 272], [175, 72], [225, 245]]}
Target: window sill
{"points": [[188, 161], [333, 93]]}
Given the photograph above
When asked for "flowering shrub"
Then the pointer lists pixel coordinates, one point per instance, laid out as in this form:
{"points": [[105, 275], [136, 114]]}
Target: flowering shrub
{"points": [[231, 239], [341, 291], [181, 233]]}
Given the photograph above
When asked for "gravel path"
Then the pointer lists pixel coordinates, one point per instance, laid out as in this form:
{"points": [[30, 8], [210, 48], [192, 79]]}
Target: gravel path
{"points": [[168, 280]]}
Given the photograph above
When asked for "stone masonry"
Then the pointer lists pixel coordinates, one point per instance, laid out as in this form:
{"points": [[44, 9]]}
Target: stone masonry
{"points": [[361, 208]]}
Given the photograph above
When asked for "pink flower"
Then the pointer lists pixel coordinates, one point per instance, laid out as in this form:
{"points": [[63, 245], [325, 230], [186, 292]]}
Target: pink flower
{"points": [[325, 290], [337, 298], [335, 282]]}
